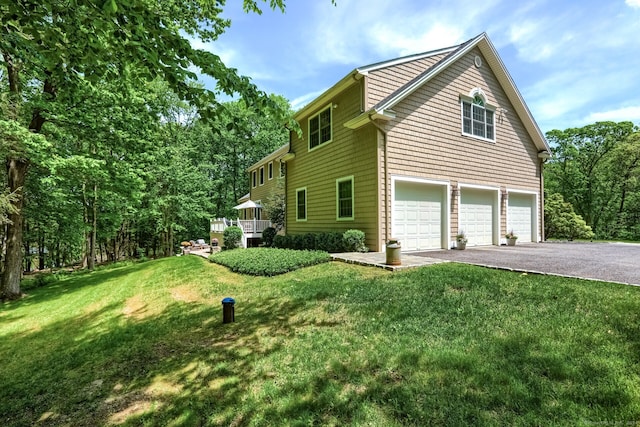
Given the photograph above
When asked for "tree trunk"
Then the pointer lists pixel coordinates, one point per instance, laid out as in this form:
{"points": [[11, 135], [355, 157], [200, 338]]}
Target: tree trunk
{"points": [[16, 174], [94, 225], [41, 255]]}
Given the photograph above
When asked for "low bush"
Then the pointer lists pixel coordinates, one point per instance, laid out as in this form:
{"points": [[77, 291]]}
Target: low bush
{"points": [[268, 235], [354, 241], [268, 261], [328, 241], [232, 237]]}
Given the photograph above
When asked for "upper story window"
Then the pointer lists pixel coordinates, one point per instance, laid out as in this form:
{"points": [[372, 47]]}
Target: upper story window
{"points": [[254, 178], [478, 117], [270, 170], [262, 175], [320, 128]]}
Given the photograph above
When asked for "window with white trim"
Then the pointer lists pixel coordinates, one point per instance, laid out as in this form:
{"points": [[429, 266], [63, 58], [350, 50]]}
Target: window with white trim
{"points": [[254, 178], [320, 128], [344, 198], [270, 169], [477, 118], [301, 204], [262, 175]]}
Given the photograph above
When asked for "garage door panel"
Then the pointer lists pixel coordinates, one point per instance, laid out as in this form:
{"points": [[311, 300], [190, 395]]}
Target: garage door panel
{"points": [[417, 215], [477, 214], [520, 215]]}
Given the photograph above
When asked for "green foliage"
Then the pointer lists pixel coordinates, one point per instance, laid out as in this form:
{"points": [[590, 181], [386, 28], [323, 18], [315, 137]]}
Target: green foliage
{"points": [[268, 261], [596, 169], [232, 237], [332, 242], [561, 222], [275, 205], [268, 234], [354, 241]]}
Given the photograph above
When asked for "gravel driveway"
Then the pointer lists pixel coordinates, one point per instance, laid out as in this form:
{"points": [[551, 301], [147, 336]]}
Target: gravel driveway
{"points": [[611, 262]]}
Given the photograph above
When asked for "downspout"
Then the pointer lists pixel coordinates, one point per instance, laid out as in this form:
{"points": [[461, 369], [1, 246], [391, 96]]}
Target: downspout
{"points": [[387, 224], [543, 156]]}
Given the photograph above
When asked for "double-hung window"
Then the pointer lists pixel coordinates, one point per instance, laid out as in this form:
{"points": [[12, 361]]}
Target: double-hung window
{"points": [[301, 204], [320, 128], [477, 118], [344, 198]]}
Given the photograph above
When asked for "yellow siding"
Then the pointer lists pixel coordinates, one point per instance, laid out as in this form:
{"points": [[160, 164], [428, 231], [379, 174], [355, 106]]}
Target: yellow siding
{"points": [[350, 153], [264, 192]]}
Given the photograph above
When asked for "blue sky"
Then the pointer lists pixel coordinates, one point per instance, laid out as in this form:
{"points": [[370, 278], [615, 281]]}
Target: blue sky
{"points": [[575, 62]]}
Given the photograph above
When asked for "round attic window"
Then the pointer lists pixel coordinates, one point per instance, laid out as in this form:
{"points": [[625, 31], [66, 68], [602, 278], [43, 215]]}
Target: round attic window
{"points": [[478, 61]]}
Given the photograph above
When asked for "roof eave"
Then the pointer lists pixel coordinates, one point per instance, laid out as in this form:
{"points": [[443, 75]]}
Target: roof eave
{"points": [[369, 116], [329, 94]]}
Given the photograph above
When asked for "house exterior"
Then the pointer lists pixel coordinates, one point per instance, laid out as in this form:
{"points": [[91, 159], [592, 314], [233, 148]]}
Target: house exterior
{"points": [[418, 149]]}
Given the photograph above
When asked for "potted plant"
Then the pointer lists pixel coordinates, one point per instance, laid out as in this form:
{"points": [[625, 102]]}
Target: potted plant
{"points": [[461, 240], [511, 238]]}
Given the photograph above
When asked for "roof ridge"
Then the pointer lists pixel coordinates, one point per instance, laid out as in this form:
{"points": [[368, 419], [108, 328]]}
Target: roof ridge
{"points": [[404, 59]]}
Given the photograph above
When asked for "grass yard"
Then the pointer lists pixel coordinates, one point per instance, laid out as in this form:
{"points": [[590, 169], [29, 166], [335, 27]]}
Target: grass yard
{"points": [[332, 344]]}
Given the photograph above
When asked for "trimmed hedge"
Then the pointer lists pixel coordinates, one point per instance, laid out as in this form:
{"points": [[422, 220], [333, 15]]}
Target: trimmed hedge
{"points": [[333, 241], [268, 261], [232, 237], [268, 234]]}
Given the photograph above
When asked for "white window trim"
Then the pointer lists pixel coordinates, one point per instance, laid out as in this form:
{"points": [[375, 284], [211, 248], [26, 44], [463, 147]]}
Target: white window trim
{"points": [[306, 208], [254, 178], [330, 108], [470, 99], [261, 176], [270, 171], [353, 198]]}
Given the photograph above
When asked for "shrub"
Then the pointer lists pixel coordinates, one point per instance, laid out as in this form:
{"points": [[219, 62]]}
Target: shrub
{"points": [[268, 234], [232, 237], [560, 220], [330, 242], [327, 241], [354, 241], [268, 261]]}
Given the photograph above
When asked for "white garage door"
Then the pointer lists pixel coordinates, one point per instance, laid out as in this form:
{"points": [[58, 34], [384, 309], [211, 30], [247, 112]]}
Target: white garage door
{"points": [[520, 215], [477, 215], [417, 215]]}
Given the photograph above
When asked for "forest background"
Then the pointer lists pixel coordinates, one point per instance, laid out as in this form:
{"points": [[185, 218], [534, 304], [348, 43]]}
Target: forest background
{"points": [[113, 149]]}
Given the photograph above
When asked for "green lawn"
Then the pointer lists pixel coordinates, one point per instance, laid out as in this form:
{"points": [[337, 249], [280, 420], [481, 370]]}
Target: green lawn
{"points": [[332, 344]]}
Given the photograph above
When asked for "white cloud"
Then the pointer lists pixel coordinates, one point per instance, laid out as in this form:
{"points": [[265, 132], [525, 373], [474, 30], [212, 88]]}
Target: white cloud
{"points": [[303, 100], [635, 4], [631, 114]]}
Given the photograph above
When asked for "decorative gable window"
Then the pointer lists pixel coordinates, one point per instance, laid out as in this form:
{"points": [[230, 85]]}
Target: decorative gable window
{"points": [[478, 117], [320, 128], [344, 198]]}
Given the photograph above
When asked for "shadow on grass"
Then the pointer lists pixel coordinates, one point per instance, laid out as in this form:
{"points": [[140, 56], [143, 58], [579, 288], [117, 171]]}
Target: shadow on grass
{"points": [[61, 284], [367, 358]]}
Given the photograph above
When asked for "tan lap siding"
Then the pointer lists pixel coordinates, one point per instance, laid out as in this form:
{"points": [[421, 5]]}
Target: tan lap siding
{"points": [[383, 82], [426, 140]]}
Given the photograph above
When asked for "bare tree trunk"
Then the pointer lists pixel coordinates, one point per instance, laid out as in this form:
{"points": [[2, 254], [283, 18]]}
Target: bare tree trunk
{"points": [[94, 225], [16, 175]]}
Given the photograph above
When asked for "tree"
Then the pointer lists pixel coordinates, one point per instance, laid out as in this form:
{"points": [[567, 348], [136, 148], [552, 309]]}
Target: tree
{"points": [[580, 169], [560, 220], [50, 50]]}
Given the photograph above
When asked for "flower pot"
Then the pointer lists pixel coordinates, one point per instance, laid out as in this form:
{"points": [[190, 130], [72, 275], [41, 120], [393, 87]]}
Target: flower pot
{"points": [[511, 242], [461, 245]]}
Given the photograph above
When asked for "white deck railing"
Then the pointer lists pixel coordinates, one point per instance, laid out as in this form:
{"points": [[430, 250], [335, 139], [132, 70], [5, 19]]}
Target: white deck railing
{"points": [[249, 227]]}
